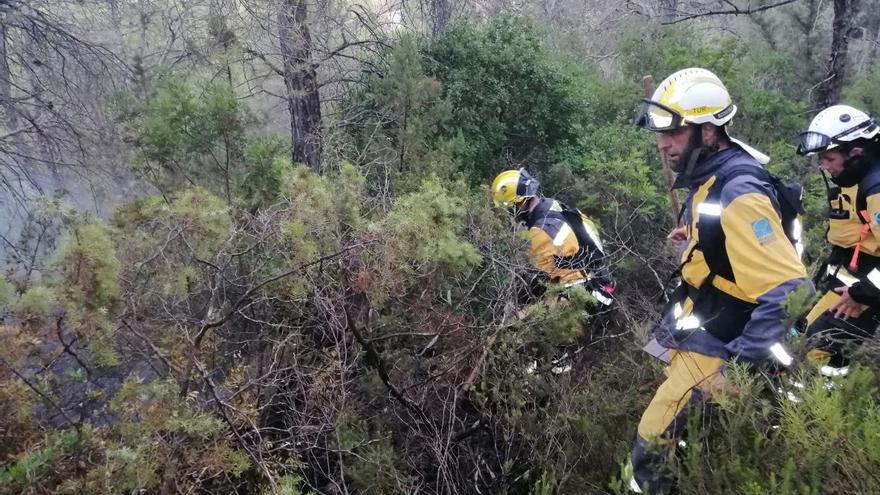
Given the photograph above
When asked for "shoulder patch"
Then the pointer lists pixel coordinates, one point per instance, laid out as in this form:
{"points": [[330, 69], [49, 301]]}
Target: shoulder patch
{"points": [[763, 231], [877, 218]]}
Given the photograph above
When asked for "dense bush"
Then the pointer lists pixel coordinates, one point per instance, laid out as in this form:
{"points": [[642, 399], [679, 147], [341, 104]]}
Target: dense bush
{"points": [[257, 327]]}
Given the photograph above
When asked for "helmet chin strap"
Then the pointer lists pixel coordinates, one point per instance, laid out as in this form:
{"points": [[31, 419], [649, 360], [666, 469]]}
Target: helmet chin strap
{"points": [[696, 150], [825, 179], [693, 158], [831, 191]]}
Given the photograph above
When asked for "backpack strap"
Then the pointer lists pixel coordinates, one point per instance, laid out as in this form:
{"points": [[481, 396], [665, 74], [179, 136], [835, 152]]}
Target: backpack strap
{"points": [[589, 256], [870, 181]]}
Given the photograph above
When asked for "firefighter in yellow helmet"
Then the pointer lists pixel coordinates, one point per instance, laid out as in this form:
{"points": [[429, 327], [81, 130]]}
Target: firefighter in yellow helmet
{"points": [[846, 142], [738, 262], [565, 244]]}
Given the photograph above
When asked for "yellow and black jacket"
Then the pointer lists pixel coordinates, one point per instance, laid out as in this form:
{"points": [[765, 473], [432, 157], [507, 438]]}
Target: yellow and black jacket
{"points": [[854, 225], [735, 312], [554, 242]]}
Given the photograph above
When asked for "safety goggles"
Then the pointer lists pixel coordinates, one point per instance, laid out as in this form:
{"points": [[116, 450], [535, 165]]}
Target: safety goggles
{"points": [[657, 117], [816, 142]]}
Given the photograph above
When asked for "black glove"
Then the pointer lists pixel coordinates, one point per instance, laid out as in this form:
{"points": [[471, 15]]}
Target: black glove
{"points": [[533, 286], [865, 293]]}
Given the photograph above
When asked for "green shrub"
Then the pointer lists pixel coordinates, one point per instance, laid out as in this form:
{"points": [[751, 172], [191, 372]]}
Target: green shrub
{"points": [[35, 465], [266, 159], [36, 303], [512, 99], [803, 439], [188, 133], [88, 267], [864, 91]]}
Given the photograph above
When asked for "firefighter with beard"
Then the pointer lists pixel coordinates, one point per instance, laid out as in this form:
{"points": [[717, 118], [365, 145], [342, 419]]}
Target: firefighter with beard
{"points": [[738, 263]]}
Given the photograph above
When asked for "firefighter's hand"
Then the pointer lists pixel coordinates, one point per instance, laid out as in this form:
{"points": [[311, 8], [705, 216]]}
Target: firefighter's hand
{"points": [[846, 307], [678, 235], [717, 384]]}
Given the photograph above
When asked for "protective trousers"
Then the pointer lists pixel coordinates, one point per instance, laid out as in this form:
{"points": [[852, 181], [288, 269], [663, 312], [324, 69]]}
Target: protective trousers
{"points": [[663, 421], [828, 335]]}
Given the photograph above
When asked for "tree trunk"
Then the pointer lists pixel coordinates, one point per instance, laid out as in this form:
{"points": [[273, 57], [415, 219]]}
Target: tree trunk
{"points": [[441, 13], [668, 10], [139, 63], [300, 78], [808, 26], [118, 36], [829, 89], [115, 15], [870, 21], [11, 116], [876, 49]]}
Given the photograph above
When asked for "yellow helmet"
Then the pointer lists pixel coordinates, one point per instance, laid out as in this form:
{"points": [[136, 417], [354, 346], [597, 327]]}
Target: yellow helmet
{"points": [[689, 96], [513, 186]]}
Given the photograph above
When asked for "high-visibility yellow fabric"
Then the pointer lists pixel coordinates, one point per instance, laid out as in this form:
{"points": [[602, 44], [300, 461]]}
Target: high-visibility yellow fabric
{"points": [[817, 356], [822, 305], [846, 232], [748, 253], [552, 239], [686, 371], [696, 270], [871, 244], [544, 253]]}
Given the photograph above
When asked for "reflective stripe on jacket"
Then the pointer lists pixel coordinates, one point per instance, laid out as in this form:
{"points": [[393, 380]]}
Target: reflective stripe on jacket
{"points": [[552, 238], [846, 225], [765, 266]]}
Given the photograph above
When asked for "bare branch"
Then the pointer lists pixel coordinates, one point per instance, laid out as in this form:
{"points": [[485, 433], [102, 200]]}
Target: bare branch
{"points": [[734, 11]]}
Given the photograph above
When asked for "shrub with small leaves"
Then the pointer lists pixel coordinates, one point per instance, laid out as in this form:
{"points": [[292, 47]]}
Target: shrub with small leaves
{"points": [[36, 303], [88, 267]]}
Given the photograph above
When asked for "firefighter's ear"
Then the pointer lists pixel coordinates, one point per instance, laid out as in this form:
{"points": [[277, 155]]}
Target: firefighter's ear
{"points": [[856, 151], [711, 135]]}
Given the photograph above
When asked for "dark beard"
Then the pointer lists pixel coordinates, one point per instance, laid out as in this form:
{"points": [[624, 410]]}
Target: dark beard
{"points": [[854, 169], [695, 145]]}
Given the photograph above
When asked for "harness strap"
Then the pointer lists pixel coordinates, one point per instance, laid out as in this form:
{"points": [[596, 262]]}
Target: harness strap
{"points": [[866, 229]]}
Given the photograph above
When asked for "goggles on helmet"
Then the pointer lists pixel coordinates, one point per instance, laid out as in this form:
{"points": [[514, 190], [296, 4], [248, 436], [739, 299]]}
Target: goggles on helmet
{"points": [[657, 117], [816, 142]]}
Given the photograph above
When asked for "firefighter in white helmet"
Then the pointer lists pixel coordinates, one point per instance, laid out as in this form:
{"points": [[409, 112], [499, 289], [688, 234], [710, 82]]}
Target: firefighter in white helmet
{"points": [[845, 139], [738, 262]]}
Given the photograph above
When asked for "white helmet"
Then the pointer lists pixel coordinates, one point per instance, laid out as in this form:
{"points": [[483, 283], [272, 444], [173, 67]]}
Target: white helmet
{"points": [[691, 96], [834, 126]]}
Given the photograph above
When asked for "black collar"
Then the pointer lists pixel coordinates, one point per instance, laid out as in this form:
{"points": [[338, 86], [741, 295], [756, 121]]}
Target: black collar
{"points": [[707, 167], [538, 212]]}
